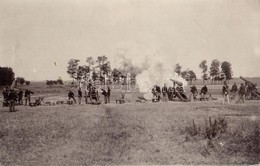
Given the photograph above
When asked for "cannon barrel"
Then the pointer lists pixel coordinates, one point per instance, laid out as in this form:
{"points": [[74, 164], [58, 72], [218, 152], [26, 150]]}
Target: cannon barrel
{"points": [[242, 78], [177, 82]]}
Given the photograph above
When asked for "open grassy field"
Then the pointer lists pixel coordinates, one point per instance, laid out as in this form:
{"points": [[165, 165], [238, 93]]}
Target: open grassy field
{"points": [[131, 133]]}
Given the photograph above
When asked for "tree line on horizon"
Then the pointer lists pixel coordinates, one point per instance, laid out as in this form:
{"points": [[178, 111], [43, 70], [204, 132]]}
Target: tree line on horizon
{"points": [[217, 72]]}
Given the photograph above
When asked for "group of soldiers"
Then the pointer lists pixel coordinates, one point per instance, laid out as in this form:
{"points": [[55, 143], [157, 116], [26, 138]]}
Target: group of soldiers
{"points": [[243, 92], [91, 93], [14, 97], [164, 94]]}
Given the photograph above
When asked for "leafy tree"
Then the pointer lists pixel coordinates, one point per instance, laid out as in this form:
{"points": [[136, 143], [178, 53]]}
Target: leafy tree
{"points": [[214, 70], [192, 76], [72, 68], [177, 69], [6, 76], [227, 70], [82, 72], [102, 60], [115, 75], [90, 61], [189, 75], [203, 65]]}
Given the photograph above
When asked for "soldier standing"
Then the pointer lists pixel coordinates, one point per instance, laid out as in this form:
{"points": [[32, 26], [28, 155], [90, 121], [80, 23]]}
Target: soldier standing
{"points": [[203, 92], [20, 97], [225, 93], [108, 93], [241, 93], [105, 95], [27, 96], [234, 91], [79, 95], [164, 93], [12, 97], [194, 93]]}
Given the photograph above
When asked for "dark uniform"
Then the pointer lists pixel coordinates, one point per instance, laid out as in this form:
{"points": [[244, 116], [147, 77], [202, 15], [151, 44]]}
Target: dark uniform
{"points": [[225, 93], [20, 97], [234, 91], [108, 94], [158, 91], [27, 96], [12, 97], [194, 92], [164, 93], [79, 95], [241, 93], [105, 95], [203, 92], [71, 96]]}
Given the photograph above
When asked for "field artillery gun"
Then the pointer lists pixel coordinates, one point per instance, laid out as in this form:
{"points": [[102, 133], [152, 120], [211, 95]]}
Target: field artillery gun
{"points": [[92, 97], [251, 90], [179, 93]]}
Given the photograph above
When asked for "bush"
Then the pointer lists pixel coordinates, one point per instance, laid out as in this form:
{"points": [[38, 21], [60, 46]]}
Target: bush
{"points": [[240, 142], [27, 82]]}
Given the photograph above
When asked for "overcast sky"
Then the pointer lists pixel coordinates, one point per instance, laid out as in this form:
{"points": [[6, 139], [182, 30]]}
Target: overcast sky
{"points": [[36, 33]]}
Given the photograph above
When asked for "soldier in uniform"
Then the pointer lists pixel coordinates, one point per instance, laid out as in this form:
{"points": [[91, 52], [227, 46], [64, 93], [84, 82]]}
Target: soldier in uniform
{"points": [[20, 97], [108, 93], [203, 92], [154, 92], [12, 97], [233, 91], [71, 96], [241, 93], [103, 92], [158, 92], [164, 93], [225, 93], [27, 96], [194, 93], [79, 95]]}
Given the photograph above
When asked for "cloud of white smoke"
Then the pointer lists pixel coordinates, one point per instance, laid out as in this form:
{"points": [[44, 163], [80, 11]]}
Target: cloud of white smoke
{"points": [[159, 72]]}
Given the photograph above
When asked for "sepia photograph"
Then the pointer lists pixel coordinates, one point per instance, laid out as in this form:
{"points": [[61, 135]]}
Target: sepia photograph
{"points": [[129, 82]]}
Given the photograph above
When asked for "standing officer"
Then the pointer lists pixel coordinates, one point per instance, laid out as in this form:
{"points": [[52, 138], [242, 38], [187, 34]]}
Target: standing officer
{"points": [[234, 91], [225, 93], [79, 95], [164, 93], [27, 96], [241, 93]]}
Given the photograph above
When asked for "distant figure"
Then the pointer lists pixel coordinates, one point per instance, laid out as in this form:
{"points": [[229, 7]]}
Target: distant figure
{"points": [[105, 95], [158, 92], [108, 93], [170, 93], [20, 97], [233, 91], [249, 89], [27, 96], [225, 93], [5, 92], [164, 93], [79, 95], [194, 93], [154, 92], [71, 96], [203, 92], [12, 97], [241, 93]]}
